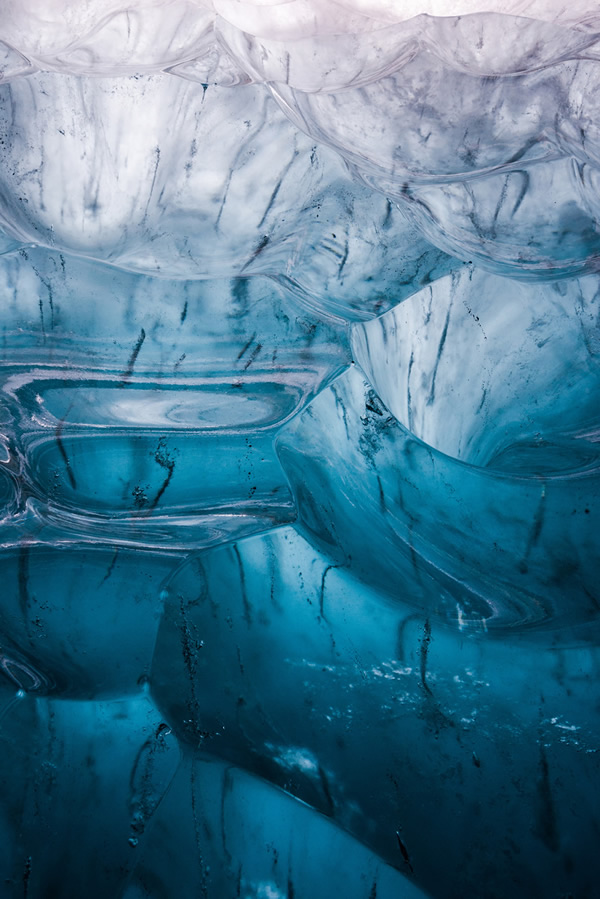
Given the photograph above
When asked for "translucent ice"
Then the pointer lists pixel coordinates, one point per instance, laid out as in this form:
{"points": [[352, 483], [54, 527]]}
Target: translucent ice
{"points": [[272, 657], [492, 515], [299, 449], [80, 781], [172, 389], [162, 176], [221, 832]]}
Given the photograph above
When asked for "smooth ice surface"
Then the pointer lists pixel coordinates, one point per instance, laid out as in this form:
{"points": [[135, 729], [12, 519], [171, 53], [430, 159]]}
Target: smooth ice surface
{"points": [[398, 729], [472, 545], [162, 176], [219, 831], [299, 449], [498, 374], [173, 390]]}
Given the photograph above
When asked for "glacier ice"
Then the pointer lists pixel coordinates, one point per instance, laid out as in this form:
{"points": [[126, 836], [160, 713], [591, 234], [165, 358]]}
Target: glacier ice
{"points": [[272, 657], [219, 831], [299, 448], [145, 173]]}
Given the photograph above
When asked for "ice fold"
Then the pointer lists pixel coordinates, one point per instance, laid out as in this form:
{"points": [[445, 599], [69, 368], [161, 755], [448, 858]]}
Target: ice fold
{"points": [[299, 448], [274, 658]]}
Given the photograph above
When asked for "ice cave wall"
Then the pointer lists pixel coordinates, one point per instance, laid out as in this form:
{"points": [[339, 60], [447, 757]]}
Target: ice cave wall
{"points": [[299, 448]]}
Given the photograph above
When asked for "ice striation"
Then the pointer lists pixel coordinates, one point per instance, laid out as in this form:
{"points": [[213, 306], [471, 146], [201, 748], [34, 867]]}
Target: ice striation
{"points": [[299, 449]]}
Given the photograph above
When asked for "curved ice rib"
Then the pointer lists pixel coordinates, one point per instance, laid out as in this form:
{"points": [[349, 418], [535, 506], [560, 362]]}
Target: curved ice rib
{"points": [[163, 177], [427, 123], [312, 16], [273, 658], [138, 419], [189, 180], [468, 544], [477, 367], [485, 44], [496, 521], [116, 38], [12, 63], [473, 159], [220, 833], [172, 391], [502, 221], [106, 36]]}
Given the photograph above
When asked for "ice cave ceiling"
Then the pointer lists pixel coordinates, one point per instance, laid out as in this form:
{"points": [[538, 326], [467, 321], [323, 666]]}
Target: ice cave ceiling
{"points": [[299, 449]]}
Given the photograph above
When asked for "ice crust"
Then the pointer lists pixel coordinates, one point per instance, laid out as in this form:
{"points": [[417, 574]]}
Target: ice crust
{"points": [[299, 449]]}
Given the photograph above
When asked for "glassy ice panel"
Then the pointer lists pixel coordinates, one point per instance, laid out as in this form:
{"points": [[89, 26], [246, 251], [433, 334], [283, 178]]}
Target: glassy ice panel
{"points": [[299, 449]]}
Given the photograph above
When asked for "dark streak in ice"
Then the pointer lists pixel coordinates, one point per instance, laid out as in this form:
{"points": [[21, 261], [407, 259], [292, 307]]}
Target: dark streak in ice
{"points": [[431, 396], [110, 567], [26, 876], [227, 789], [291, 890], [408, 393], [344, 258], [271, 201], [388, 216], [522, 193], [41, 305], [322, 591], [404, 852], [132, 359], [23, 579], [246, 346], [326, 791], [381, 494], [247, 611], [536, 530], [500, 204], [156, 164], [253, 356], [425, 642], [546, 818], [162, 458], [63, 453]]}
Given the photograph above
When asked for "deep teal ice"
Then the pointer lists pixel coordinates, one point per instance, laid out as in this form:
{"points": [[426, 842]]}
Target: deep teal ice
{"points": [[299, 457]]}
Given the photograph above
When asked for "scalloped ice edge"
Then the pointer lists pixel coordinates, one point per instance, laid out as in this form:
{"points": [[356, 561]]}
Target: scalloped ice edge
{"points": [[304, 43]]}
